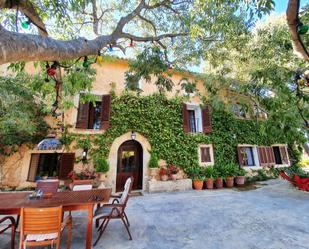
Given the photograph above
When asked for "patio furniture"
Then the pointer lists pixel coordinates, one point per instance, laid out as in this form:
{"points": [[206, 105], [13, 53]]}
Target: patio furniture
{"points": [[82, 187], [115, 210], [43, 227], [301, 183], [77, 185], [48, 186], [6, 226], [11, 203]]}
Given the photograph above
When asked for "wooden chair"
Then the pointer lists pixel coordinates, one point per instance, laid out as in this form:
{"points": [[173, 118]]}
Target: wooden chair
{"points": [[48, 186], [7, 226], [114, 210], [43, 227]]}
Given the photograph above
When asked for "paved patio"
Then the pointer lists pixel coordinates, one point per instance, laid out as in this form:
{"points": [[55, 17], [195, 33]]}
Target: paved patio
{"points": [[272, 216]]}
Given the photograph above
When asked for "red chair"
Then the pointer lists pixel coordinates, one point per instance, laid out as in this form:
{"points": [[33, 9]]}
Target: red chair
{"points": [[11, 225], [115, 210]]}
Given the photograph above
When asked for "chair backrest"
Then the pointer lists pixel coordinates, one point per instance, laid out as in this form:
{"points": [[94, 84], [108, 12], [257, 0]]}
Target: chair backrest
{"points": [[48, 186], [41, 220], [127, 190], [82, 187]]}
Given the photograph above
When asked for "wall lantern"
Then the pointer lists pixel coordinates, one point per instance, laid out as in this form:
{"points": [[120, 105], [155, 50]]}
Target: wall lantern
{"points": [[133, 135], [85, 153]]}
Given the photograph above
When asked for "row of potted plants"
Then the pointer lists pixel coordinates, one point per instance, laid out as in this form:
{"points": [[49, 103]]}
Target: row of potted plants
{"points": [[229, 173], [169, 172]]}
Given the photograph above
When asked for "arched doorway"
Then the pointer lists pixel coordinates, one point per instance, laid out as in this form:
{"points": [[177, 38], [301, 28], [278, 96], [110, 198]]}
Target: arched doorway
{"points": [[130, 163]]}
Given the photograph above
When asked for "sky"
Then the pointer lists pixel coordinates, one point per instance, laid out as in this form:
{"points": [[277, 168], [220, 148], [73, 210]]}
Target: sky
{"points": [[281, 5]]}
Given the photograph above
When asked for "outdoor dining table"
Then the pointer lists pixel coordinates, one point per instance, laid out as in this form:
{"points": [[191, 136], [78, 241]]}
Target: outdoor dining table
{"points": [[11, 203]]}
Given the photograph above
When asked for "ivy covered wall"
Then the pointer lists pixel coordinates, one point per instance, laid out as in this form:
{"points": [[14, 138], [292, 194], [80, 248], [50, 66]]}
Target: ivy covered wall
{"points": [[160, 120]]}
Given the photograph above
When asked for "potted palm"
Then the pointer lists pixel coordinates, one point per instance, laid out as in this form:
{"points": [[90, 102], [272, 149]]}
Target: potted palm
{"points": [[101, 167], [210, 175], [195, 173], [219, 176], [230, 172], [240, 178], [153, 166]]}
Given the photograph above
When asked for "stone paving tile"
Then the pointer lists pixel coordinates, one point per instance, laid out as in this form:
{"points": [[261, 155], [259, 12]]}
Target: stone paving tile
{"points": [[274, 216]]}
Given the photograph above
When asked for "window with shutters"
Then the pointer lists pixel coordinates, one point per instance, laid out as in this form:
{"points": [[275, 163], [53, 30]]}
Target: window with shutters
{"points": [[266, 156], [247, 155], [94, 115], [50, 165], [206, 156], [281, 155], [239, 110], [194, 118]]}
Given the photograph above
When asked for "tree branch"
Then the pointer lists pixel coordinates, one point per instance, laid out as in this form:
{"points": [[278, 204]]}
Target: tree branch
{"points": [[27, 47], [292, 14]]}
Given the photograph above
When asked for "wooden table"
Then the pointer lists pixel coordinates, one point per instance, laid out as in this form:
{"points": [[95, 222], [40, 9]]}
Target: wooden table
{"points": [[11, 203]]}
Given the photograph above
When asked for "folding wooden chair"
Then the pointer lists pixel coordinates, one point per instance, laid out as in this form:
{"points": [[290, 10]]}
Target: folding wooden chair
{"points": [[115, 210], [43, 227]]}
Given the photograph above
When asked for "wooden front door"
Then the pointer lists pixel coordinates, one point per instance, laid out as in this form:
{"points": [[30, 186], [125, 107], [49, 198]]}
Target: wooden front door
{"points": [[130, 163]]}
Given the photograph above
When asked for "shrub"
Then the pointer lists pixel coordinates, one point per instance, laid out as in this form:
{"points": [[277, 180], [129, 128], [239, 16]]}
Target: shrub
{"points": [[101, 165], [153, 162], [210, 172]]}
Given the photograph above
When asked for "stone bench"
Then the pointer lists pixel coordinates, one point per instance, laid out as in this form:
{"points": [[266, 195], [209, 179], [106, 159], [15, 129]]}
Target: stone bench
{"points": [[169, 186]]}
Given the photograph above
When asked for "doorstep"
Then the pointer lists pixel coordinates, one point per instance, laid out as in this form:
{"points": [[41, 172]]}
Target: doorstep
{"points": [[169, 186]]}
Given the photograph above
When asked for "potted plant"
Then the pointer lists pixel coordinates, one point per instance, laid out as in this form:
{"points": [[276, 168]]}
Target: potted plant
{"points": [[219, 177], [153, 166], [230, 172], [196, 174], [163, 174], [198, 182], [172, 171], [101, 167], [240, 178], [84, 177], [210, 175]]}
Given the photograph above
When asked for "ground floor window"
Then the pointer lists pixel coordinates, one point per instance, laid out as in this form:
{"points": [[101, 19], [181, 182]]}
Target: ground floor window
{"points": [[251, 155], [51, 165], [206, 156], [247, 155], [281, 154]]}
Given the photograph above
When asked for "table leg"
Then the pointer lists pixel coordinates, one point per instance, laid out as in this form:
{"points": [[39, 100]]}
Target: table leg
{"points": [[89, 226]]}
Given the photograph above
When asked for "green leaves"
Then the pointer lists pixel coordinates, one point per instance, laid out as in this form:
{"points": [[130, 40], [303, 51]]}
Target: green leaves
{"points": [[149, 63], [21, 116]]}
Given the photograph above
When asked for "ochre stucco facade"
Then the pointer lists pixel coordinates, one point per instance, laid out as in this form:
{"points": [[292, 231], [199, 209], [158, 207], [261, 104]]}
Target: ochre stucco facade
{"points": [[15, 168]]}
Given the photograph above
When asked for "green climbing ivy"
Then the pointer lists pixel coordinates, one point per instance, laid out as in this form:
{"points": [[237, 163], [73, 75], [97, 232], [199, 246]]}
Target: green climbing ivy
{"points": [[160, 120]]}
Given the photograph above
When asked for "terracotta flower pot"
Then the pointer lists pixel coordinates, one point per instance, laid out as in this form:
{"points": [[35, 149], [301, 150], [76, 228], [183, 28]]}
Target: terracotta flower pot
{"points": [[240, 180], [101, 176], [153, 172], [198, 184], [219, 183], [174, 177], [229, 182], [209, 183], [164, 177]]}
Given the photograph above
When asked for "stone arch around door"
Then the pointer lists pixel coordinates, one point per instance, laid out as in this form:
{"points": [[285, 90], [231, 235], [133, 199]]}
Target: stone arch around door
{"points": [[113, 158]]}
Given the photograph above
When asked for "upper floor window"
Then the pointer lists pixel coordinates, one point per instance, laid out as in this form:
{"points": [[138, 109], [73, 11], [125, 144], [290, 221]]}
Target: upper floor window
{"points": [[196, 119], [94, 115], [239, 110]]}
